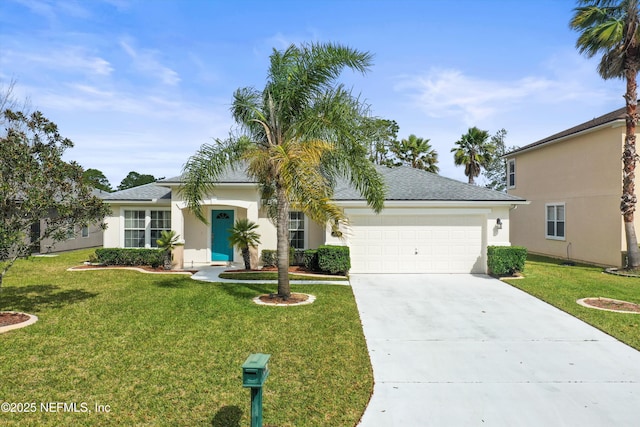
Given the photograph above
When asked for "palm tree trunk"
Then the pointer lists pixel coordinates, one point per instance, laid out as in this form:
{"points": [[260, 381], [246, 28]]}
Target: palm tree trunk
{"points": [[284, 289], [247, 258], [629, 157]]}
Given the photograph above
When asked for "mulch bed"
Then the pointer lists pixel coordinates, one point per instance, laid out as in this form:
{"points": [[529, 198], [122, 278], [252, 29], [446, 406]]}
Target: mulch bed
{"points": [[7, 319], [613, 304], [292, 269], [276, 299], [124, 267]]}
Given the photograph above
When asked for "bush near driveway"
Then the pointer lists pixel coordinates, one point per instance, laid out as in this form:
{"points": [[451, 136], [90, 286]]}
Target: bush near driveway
{"points": [[168, 350], [562, 286]]}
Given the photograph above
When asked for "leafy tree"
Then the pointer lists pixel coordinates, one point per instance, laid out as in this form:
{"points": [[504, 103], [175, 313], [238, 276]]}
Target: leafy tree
{"points": [[611, 28], [96, 178], [134, 179], [37, 185], [167, 243], [381, 134], [301, 132], [473, 151], [415, 152], [495, 173], [243, 236]]}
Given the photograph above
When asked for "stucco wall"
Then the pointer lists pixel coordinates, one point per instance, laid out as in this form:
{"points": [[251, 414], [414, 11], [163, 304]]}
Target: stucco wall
{"points": [[584, 173]]}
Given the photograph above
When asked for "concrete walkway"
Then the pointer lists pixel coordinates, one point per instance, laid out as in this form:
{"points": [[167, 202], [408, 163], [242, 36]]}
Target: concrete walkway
{"points": [[212, 274], [462, 350]]}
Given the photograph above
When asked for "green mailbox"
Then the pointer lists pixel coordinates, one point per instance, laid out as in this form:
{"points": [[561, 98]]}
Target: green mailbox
{"points": [[255, 370]]}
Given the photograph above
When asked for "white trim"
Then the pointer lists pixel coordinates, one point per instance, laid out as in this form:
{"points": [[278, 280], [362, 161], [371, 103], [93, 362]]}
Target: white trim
{"points": [[419, 211], [147, 222], [546, 220], [244, 204], [389, 204], [511, 162]]}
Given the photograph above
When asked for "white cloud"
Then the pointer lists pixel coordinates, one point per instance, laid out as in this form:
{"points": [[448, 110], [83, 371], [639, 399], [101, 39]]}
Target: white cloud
{"points": [[448, 92], [69, 58], [145, 61]]}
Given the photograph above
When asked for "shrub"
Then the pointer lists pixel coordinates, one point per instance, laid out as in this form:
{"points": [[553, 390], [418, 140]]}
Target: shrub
{"points": [[296, 256], [506, 260], [310, 260], [130, 256], [334, 259], [269, 257]]}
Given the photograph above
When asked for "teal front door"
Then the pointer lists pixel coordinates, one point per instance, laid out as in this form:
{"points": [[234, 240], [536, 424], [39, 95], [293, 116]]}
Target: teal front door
{"points": [[221, 222]]}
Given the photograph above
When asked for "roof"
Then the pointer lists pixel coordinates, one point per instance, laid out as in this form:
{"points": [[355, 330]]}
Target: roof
{"points": [[407, 183], [403, 183], [143, 193], [611, 117], [229, 176]]}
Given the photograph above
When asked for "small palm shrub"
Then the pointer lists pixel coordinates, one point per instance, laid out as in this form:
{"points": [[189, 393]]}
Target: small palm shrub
{"points": [[243, 236], [167, 243]]}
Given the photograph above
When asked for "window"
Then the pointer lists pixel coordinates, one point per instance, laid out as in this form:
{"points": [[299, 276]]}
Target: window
{"points": [[85, 231], [142, 228], [160, 221], [296, 230], [134, 229], [511, 173], [555, 221]]}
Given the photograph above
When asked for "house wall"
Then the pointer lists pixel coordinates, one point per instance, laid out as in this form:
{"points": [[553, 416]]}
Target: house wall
{"points": [[584, 173], [94, 239]]}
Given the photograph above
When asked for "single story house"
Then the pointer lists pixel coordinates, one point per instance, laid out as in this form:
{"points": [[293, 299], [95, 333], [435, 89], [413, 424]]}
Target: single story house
{"points": [[573, 180], [430, 224]]}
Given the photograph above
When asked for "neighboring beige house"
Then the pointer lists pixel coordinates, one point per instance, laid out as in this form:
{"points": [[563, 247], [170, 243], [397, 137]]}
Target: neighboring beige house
{"points": [[79, 237], [430, 224], [573, 180]]}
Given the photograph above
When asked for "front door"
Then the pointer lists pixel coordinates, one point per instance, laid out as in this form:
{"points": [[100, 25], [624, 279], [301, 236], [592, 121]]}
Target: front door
{"points": [[221, 222]]}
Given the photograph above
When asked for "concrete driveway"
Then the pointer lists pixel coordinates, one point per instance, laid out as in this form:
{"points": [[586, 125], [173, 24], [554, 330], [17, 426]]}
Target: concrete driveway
{"points": [[463, 350]]}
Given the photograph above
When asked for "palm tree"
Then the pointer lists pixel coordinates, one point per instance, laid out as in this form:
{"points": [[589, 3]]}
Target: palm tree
{"points": [[299, 135], [243, 236], [473, 152], [610, 27], [415, 152], [167, 242]]}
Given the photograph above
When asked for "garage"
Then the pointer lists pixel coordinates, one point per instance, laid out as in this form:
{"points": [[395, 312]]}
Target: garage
{"points": [[429, 242]]}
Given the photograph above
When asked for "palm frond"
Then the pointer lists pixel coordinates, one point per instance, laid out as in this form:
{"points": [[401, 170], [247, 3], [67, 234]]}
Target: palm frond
{"points": [[201, 171]]}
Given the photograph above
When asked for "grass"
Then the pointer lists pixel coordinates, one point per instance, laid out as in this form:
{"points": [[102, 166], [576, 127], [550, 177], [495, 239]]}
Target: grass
{"points": [[272, 275], [168, 350], [562, 285]]}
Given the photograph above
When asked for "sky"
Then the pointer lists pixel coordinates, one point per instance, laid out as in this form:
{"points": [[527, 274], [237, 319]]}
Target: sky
{"points": [[140, 85]]}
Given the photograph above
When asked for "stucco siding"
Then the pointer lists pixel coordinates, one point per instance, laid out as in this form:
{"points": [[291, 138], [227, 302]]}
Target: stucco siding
{"points": [[584, 174]]}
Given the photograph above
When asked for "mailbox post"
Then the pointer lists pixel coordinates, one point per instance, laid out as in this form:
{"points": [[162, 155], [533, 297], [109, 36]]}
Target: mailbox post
{"points": [[255, 371]]}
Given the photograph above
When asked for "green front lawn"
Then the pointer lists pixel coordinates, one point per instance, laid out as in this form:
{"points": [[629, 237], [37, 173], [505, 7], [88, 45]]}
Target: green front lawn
{"points": [[562, 285], [168, 350]]}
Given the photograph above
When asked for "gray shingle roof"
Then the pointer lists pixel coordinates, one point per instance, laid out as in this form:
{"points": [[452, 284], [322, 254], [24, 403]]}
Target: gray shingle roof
{"points": [[147, 192], [403, 183], [407, 183], [611, 117], [230, 176]]}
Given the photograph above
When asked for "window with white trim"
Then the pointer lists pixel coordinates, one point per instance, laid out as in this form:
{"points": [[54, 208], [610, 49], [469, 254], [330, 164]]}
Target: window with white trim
{"points": [[511, 173], [555, 221], [134, 229], [85, 231], [160, 221], [296, 230], [142, 228]]}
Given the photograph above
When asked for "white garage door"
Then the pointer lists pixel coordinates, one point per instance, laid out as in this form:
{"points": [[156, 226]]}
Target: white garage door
{"points": [[417, 244]]}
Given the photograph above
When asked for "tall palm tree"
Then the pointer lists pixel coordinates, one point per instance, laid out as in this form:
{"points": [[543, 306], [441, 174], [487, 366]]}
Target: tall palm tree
{"points": [[299, 135], [610, 28], [473, 151], [415, 152], [243, 235]]}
